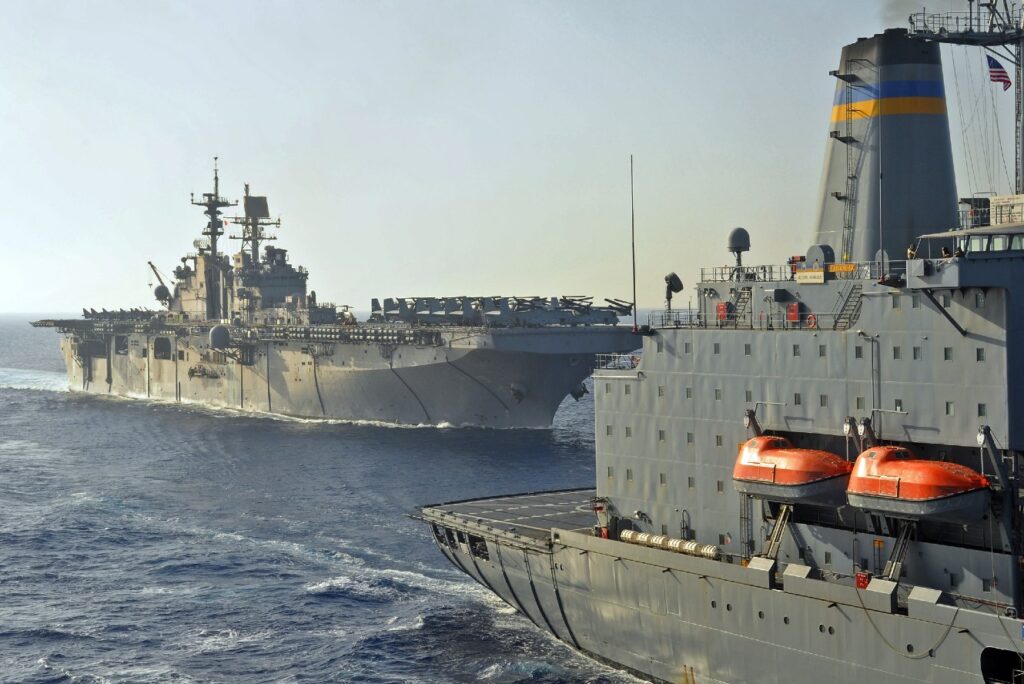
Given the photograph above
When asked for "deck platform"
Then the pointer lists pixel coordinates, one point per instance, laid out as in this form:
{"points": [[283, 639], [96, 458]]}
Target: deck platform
{"points": [[531, 515]]}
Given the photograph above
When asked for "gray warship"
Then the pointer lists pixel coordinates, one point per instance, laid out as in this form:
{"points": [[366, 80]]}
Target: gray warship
{"points": [[244, 333], [814, 475]]}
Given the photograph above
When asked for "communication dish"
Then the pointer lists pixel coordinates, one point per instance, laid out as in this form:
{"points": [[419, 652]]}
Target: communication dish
{"points": [[220, 337], [672, 285]]}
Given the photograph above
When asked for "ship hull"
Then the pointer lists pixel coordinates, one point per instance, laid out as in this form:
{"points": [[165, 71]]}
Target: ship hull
{"points": [[499, 380], [667, 617]]}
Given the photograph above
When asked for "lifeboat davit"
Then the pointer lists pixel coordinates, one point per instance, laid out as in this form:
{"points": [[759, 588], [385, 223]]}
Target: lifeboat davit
{"points": [[890, 481], [771, 468]]}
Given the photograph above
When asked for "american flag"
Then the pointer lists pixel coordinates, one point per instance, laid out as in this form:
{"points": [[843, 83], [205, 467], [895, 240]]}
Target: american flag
{"points": [[997, 74]]}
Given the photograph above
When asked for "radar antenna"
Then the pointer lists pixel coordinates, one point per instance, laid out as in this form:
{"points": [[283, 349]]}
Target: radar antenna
{"points": [[213, 203], [256, 219], [995, 27]]}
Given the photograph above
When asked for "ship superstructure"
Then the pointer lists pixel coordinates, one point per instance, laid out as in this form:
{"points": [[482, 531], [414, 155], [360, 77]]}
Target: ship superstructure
{"points": [[244, 332], [815, 474]]}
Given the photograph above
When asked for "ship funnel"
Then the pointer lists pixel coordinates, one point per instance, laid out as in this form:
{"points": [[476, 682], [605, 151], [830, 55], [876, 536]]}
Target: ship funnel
{"points": [[888, 173]]}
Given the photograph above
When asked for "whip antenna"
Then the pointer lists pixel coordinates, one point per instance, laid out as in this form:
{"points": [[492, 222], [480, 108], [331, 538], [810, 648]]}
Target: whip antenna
{"points": [[632, 236]]}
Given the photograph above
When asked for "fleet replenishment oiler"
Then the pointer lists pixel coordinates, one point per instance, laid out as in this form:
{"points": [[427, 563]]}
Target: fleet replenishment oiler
{"points": [[815, 476]]}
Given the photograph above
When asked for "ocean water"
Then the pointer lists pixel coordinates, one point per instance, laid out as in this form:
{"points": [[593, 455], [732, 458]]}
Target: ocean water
{"points": [[145, 542]]}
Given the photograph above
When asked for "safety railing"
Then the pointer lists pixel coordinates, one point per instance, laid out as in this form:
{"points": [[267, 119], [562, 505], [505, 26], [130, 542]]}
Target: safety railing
{"points": [[617, 361], [788, 272]]}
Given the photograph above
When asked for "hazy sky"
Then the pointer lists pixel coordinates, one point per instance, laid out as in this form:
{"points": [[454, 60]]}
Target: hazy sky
{"points": [[416, 148]]}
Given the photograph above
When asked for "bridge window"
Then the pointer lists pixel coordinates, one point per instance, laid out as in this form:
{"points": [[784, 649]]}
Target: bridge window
{"points": [[1017, 242], [999, 243], [162, 348], [978, 243], [979, 353]]}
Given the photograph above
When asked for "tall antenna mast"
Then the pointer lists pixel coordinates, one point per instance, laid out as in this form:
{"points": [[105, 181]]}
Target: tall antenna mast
{"points": [[214, 275], [1001, 33], [632, 236]]}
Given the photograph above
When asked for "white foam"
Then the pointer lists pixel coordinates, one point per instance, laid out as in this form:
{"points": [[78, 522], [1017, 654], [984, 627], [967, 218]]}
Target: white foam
{"points": [[21, 379]]}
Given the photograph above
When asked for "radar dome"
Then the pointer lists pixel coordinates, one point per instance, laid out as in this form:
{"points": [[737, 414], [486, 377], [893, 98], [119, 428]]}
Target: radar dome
{"points": [[739, 240], [673, 283], [220, 337], [162, 293]]}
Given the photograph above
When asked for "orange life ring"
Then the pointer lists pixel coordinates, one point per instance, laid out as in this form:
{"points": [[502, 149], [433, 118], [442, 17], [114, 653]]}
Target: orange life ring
{"points": [[812, 321]]}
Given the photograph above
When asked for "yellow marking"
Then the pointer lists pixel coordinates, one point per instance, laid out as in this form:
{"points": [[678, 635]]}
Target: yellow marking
{"points": [[842, 268], [890, 105]]}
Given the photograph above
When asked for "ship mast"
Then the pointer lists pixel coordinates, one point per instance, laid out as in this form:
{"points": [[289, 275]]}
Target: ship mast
{"points": [[213, 203], [256, 220], [996, 27]]}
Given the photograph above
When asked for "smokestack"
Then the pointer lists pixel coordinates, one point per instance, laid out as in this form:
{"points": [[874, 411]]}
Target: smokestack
{"points": [[888, 173]]}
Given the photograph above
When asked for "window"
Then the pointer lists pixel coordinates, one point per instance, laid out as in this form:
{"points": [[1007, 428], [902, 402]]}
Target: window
{"points": [[690, 483], [749, 396], [823, 400], [895, 301], [915, 302], [687, 347], [746, 349], [608, 430], [947, 353], [689, 438], [607, 387], [663, 479], [627, 390], [860, 403], [721, 540], [716, 348], [181, 354], [718, 394], [629, 474], [796, 399], [950, 407], [144, 352], [661, 435], [897, 354], [629, 431], [661, 390], [982, 410], [979, 300], [858, 352], [689, 393], [946, 300], [611, 471], [986, 584], [796, 350], [661, 346], [664, 529], [979, 353], [897, 405], [718, 440], [917, 353], [821, 350], [162, 348], [720, 486], [828, 558]]}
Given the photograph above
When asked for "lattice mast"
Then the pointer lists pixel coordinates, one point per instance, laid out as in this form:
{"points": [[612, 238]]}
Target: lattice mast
{"points": [[996, 27]]}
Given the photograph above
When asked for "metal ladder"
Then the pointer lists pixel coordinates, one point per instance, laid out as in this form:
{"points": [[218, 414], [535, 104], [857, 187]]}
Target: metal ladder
{"points": [[741, 305], [747, 525], [851, 308], [778, 532]]}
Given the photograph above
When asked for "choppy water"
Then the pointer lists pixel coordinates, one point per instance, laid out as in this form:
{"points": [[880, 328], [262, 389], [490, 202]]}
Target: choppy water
{"points": [[154, 543]]}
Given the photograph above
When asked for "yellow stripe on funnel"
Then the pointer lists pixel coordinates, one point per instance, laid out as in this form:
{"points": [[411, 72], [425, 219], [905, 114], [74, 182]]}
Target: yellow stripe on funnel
{"points": [[867, 109]]}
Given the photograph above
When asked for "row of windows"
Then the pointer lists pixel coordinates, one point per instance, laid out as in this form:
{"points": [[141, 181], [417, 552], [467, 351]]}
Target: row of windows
{"points": [[858, 352], [691, 481], [945, 299]]}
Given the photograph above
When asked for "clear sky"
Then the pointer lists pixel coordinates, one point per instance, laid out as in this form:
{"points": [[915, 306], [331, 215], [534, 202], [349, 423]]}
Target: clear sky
{"points": [[417, 148]]}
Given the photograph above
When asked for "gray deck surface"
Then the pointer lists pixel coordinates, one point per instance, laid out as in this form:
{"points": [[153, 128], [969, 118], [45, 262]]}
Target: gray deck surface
{"points": [[530, 515]]}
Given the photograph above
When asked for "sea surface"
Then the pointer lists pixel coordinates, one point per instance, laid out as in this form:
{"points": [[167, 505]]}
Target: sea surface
{"points": [[147, 542]]}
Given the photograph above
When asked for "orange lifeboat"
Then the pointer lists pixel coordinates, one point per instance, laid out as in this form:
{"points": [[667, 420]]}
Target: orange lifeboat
{"points": [[771, 468], [890, 481]]}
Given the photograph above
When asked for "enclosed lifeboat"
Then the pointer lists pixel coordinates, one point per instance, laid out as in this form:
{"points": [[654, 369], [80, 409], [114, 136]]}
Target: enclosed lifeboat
{"points": [[771, 468], [890, 481]]}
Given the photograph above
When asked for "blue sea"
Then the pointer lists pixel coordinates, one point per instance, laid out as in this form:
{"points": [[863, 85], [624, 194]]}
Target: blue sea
{"points": [[147, 542]]}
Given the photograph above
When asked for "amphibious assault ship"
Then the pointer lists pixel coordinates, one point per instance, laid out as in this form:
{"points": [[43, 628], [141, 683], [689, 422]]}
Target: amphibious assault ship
{"points": [[245, 333], [815, 475]]}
